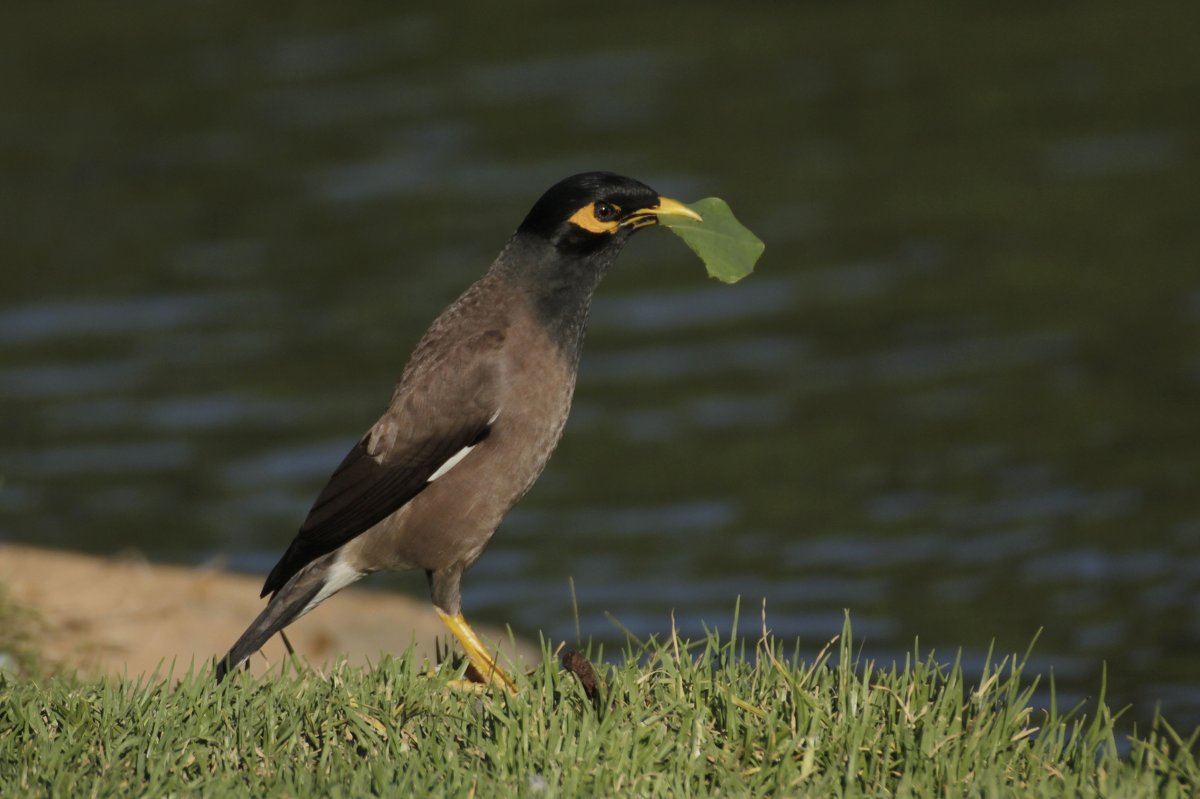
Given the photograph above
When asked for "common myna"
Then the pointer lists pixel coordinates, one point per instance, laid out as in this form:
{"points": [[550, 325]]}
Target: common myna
{"points": [[478, 410]]}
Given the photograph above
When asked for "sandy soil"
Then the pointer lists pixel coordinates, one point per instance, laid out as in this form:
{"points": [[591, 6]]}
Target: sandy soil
{"points": [[101, 615]]}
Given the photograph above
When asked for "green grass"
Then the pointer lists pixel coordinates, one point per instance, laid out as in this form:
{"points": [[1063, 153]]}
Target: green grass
{"points": [[715, 717]]}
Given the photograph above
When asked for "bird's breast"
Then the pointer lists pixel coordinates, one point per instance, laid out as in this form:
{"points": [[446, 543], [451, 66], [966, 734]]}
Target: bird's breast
{"points": [[537, 383], [452, 520]]}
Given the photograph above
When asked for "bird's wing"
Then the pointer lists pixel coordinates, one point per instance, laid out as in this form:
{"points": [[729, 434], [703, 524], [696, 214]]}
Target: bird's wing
{"points": [[430, 422]]}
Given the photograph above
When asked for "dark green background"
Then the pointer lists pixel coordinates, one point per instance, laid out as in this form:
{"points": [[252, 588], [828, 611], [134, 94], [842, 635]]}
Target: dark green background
{"points": [[960, 397]]}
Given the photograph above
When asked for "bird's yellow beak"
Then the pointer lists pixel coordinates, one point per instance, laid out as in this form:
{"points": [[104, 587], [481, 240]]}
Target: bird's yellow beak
{"points": [[666, 207], [669, 207]]}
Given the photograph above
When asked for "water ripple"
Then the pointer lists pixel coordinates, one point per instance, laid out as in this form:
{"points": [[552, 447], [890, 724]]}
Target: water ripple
{"points": [[1116, 153], [676, 310], [62, 380], [144, 456], [63, 318], [673, 362], [287, 464]]}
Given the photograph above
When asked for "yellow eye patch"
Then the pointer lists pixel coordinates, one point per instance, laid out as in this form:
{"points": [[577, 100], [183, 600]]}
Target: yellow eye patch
{"points": [[597, 217]]}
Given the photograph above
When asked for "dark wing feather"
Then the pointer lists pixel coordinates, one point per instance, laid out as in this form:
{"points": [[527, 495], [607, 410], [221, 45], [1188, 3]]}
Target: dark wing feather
{"points": [[363, 492], [435, 412]]}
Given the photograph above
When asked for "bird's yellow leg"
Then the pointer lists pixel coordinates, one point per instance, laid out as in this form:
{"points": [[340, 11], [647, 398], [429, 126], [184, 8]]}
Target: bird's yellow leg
{"points": [[477, 653]]}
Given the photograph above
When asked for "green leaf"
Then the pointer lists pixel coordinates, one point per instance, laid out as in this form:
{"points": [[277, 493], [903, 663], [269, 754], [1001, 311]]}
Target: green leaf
{"points": [[729, 250]]}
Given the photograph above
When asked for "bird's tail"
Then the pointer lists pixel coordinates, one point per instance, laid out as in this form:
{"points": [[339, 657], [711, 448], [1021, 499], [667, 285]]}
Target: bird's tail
{"points": [[308, 588]]}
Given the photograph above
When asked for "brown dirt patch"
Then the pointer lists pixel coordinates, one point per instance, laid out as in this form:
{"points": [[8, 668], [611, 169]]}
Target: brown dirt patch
{"points": [[104, 615]]}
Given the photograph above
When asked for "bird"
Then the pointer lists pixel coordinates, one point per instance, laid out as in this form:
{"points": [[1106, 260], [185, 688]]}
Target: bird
{"points": [[477, 412]]}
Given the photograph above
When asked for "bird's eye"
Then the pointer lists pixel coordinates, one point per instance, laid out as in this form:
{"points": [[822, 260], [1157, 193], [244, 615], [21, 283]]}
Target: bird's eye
{"points": [[605, 212]]}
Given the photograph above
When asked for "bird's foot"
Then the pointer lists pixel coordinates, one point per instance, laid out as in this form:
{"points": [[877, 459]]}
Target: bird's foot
{"points": [[470, 682], [484, 670]]}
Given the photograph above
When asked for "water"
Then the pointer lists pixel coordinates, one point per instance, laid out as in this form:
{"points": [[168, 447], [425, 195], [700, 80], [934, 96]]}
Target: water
{"points": [[960, 397]]}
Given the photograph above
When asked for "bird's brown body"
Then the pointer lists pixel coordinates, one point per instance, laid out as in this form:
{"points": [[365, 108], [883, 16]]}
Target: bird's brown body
{"points": [[478, 410], [518, 375]]}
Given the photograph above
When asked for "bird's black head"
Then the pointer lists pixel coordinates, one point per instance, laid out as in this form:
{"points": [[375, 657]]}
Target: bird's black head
{"points": [[596, 211], [568, 241]]}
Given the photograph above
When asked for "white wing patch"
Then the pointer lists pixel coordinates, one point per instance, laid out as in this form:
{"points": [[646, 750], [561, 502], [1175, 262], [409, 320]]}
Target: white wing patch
{"points": [[450, 463], [457, 457]]}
